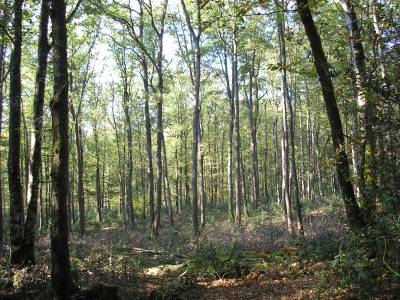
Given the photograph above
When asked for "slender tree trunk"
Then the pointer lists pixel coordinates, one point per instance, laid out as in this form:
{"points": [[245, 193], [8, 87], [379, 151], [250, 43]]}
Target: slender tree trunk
{"points": [[244, 188], [61, 276], [318, 163], [120, 166], [310, 173], [230, 157], [302, 166], [322, 67], [36, 161], [285, 138], [142, 177], [203, 198], [2, 79], [266, 189], [166, 184], [14, 152], [129, 161], [367, 142], [253, 134], [276, 165], [159, 162], [98, 176], [177, 181], [150, 174], [235, 88], [294, 169], [25, 160], [79, 158], [187, 195], [149, 153]]}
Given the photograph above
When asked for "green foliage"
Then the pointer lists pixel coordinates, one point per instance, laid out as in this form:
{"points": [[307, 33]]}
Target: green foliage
{"points": [[217, 261], [367, 262]]}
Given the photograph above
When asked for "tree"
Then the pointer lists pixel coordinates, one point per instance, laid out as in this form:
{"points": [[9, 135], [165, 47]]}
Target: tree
{"points": [[367, 141], [285, 135], [195, 34], [36, 157], [14, 171], [3, 48], [61, 276], [322, 67], [235, 94]]}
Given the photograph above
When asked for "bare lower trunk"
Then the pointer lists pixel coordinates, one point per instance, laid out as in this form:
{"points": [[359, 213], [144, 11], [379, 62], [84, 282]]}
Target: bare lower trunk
{"points": [[294, 170], [129, 164], [167, 186], [202, 188]]}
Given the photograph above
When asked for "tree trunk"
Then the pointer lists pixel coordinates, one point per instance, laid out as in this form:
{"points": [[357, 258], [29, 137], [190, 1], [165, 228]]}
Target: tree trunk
{"points": [[294, 169], [230, 154], [166, 184], [98, 176], [276, 165], [203, 197], [159, 165], [150, 174], [195, 142], [253, 134], [14, 171], [235, 89], [302, 166], [79, 163], [25, 160], [2, 79], [177, 180], [36, 161], [61, 276], [285, 138], [266, 188], [120, 165], [367, 141], [187, 195], [129, 161], [342, 163]]}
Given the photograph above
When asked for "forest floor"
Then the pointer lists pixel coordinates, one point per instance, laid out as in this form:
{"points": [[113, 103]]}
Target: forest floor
{"points": [[259, 260]]}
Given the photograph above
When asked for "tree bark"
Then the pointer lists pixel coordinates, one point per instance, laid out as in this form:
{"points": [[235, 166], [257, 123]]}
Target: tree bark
{"points": [[294, 169], [36, 157], [195, 37], [98, 176], [203, 196], [285, 137], [253, 137], [322, 67], [79, 158], [120, 165], [3, 48], [14, 152], [61, 276], [166, 184], [235, 89], [129, 161], [149, 153], [367, 140]]}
